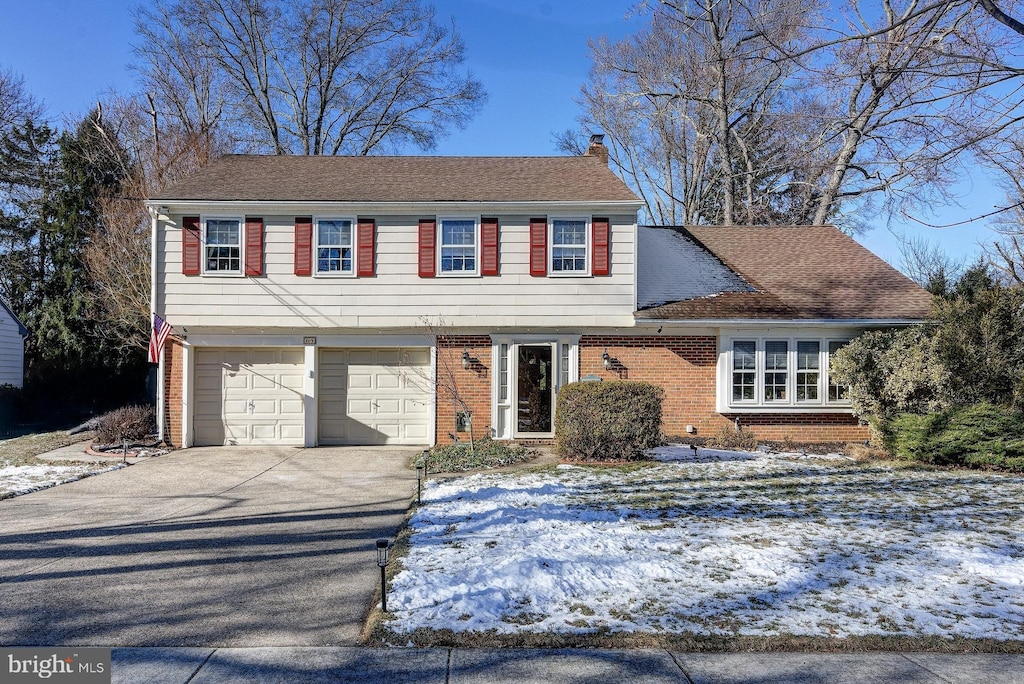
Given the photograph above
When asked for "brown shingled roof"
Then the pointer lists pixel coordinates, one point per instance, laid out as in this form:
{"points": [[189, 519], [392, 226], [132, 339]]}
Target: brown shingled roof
{"points": [[800, 272], [402, 179]]}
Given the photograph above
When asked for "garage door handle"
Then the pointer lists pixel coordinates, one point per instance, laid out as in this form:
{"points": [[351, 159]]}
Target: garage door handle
{"points": [[252, 406]]}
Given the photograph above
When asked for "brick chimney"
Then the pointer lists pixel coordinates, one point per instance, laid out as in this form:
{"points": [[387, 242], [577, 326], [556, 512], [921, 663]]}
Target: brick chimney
{"points": [[597, 148]]}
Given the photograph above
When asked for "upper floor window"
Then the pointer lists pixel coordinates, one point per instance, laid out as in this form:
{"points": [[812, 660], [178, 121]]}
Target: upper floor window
{"points": [[808, 366], [223, 242], [458, 246], [569, 246], [776, 374], [744, 370], [334, 248]]}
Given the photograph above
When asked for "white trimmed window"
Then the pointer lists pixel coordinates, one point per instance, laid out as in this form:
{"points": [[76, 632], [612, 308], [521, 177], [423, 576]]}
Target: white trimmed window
{"points": [[334, 248], [836, 392], [569, 246], [222, 238], [781, 374], [458, 242]]}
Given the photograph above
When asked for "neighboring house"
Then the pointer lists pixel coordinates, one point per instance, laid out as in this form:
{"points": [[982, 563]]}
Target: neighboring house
{"points": [[301, 288], [12, 347]]}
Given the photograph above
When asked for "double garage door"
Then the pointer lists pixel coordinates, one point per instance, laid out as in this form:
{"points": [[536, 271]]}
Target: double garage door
{"points": [[364, 396]]}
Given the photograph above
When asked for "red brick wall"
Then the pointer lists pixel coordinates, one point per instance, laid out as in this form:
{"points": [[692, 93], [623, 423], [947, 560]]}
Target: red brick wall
{"points": [[173, 374], [473, 384], [684, 366]]}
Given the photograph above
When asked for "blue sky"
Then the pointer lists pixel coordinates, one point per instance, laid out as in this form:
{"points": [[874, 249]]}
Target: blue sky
{"points": [[531, 56]]}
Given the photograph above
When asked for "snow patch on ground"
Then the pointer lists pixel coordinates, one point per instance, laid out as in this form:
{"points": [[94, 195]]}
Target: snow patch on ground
{"points": [[17, 480], [722, 543]]}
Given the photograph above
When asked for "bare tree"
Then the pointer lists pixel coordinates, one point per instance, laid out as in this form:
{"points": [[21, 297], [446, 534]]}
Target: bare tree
{"points": [[928, 265], [756, 110], [16, 103], [450, 371], [693, 105], [1006, 253], [324, 77]]}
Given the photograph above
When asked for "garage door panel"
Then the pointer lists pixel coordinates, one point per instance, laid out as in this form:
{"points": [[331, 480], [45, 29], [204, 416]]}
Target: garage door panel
{"points": [[249, 396], [363, 394]]}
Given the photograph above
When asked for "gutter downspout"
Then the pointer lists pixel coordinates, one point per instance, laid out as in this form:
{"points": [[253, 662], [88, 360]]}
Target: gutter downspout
{"points": [[152, 312]]}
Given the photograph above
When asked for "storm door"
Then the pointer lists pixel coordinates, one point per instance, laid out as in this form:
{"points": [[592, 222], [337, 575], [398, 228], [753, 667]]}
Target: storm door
{"points": [[535, 389]]}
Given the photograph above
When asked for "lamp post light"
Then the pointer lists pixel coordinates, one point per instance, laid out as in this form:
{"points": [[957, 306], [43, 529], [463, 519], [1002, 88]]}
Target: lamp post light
{"points": [[383, 556]]}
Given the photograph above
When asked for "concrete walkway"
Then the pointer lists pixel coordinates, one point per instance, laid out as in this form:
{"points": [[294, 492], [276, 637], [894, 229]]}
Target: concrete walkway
{"points": [[232, 546], [531, 666]]}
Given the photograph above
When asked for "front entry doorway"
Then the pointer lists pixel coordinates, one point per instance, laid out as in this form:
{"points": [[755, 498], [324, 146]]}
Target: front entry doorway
{"points": [[535, 389]]}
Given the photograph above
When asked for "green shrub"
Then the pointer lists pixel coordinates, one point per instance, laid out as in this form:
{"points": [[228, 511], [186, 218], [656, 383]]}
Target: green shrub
{"points": [[981, 435], [608, 420], [731, 438], [130, 423], [487, 453]]}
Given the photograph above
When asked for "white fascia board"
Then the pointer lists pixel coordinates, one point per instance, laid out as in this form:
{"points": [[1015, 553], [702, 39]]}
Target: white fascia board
{"points": [[254, 339], [787, 323], [165, 207]]}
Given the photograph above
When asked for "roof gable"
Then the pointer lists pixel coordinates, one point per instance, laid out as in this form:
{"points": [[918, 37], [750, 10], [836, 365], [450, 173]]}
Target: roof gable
{"points": [[798, 272], [22, 330], [402, 179]]}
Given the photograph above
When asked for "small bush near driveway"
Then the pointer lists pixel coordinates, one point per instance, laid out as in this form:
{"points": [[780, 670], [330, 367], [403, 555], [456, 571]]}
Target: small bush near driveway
{"points": [[981, 435], [604, 421], [127, 424]]}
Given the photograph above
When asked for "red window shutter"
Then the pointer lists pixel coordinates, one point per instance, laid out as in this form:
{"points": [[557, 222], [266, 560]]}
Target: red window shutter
{"points": [[190, 245], [428, 238], [253, 246], [538, 246], [365, 247], [304, 246], [489, 247], [601, 246]]}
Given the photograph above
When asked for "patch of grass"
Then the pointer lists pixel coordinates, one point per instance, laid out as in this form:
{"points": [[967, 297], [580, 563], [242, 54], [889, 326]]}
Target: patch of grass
{"points": [[486, 454], [23, 450]]}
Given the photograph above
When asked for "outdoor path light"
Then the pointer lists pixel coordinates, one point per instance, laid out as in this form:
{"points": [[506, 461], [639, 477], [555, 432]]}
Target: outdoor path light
{"points": [[383, 556], [419, 484]]}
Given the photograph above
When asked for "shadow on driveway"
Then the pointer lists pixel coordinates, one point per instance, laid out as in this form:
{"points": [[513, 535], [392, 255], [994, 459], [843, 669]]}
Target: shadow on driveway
{"points": [[225, 546]]}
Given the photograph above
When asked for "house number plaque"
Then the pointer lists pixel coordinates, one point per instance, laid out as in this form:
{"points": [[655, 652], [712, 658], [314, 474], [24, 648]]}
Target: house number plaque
{"points": [[308, 340]]}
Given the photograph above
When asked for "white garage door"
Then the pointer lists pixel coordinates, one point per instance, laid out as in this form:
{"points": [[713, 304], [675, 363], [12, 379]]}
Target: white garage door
{"points": [[375, 396], [248, 396]]}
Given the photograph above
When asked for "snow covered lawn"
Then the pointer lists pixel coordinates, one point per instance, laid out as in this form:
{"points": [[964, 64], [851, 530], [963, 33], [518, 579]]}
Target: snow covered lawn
{"points": [[726, 544], [22, 479]]}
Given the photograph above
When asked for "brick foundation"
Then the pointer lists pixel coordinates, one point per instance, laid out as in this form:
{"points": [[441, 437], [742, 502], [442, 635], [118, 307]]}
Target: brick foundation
{"points": [[473, 384], [173, 374]]}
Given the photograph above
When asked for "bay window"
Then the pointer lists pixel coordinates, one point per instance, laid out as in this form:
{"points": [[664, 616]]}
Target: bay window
{"points": [[780, 373]]}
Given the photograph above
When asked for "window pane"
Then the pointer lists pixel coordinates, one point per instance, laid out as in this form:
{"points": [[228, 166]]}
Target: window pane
{"points": [[569, 245], [223, 246], [503, 373], [334, 246], [775, 366], [563, 374], [743, 376], [836, 392], [458, 246], [808, 363]]}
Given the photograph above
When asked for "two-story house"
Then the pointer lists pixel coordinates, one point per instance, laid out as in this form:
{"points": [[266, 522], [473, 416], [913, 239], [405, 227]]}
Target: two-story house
{"points": [[316, 299]]}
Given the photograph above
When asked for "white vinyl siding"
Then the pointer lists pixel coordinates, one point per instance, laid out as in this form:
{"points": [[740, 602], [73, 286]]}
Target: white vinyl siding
{"points": [[396, 297], [12, 351]]}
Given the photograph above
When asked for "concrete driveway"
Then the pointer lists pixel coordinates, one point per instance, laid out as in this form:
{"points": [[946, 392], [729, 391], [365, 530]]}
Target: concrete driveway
{"points": [[226, 546]]}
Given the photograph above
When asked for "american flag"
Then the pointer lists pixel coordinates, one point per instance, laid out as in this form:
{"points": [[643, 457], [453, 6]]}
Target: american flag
{"points": [[157, 337]]}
